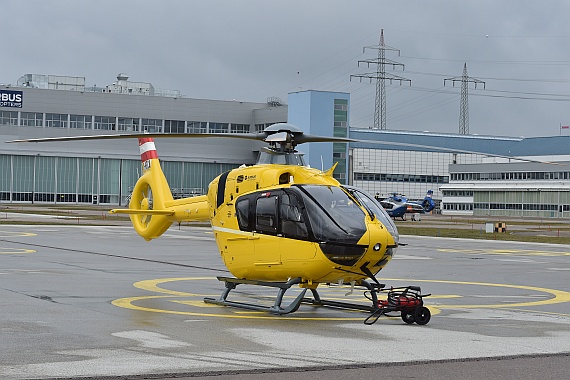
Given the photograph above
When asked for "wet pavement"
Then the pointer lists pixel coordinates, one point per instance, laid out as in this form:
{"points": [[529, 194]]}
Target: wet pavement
{"points": [[100, 301]]}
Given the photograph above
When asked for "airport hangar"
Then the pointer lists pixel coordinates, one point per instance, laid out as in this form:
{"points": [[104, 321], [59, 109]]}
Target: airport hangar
{"points": [[104, 171]]}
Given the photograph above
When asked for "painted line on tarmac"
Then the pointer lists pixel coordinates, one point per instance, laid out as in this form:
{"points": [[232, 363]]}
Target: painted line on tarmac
{"points": [[11, 234], [508, 252], [560, 296], [15, 251], [542, 312], [557, 296]]}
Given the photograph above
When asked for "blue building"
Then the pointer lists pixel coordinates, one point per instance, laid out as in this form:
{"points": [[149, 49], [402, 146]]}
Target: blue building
{"points": [[324, 114]]}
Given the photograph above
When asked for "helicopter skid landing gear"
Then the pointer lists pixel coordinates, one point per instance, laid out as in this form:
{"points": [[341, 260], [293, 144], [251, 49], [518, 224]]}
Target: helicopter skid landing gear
{"points": [[318, 301], [232, 283]]}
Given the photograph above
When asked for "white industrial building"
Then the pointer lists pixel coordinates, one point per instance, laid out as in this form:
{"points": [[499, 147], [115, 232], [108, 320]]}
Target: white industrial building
{"points": [[381, 162]]}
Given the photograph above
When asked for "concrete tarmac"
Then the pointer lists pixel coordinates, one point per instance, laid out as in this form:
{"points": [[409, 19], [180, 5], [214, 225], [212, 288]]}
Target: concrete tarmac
{"points": [[92, 301]]}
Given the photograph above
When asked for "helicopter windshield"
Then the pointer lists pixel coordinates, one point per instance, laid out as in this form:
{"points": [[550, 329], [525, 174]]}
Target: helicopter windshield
{"points": [[372, 204], [333, 215]]}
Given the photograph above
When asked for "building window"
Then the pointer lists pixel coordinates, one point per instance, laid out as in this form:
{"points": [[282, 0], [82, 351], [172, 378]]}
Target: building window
{"points": [[510, 176], [106, 123], [9, 118], [174, 126], [260, 127], [394, 177], [56, 120], [339, 156], [128, 124], [152, 125], [218, 128], [32, 119], [197, 127], [80, 121], [239, 128], [341, 104]]}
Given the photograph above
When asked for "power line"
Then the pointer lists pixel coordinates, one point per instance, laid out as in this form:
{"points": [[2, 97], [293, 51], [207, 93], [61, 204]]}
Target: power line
{"points": [[562, 97], [565, 80], [519, 62]]}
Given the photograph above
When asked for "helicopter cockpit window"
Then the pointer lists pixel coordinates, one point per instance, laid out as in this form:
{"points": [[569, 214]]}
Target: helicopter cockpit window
{"points": [[292, 220], [266, 214], [333, 215], [372, 204], [242, 213]]}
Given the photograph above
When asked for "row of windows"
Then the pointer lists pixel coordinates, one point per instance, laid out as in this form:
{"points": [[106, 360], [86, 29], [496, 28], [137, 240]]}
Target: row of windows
{"points": [[53, 120], [457, 193], [504, 206], [458, 206], [519, 206], [55, 198], [99, 180], [261, 127], [418, 178], [509, 176]]}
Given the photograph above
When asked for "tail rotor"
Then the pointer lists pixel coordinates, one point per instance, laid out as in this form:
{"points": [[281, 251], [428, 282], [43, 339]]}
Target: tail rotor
{"points": [[148, 211], [142, 200]]}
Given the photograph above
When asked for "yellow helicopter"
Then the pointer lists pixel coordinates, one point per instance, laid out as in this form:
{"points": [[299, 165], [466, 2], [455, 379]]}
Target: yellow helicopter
{"points": [[279, 224]]}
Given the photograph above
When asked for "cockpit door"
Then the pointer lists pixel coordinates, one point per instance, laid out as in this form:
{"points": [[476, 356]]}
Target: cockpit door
{"points": [[294, 229], [266, 227]]}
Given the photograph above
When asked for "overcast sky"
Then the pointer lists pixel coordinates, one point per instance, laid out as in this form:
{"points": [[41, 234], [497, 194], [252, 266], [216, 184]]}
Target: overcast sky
{"points": [[252, 50]]}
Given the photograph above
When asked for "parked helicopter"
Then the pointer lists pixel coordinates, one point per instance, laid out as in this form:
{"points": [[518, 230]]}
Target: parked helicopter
{"points": [[277, 223], [394, 207], [280, 223], [397, 205]]}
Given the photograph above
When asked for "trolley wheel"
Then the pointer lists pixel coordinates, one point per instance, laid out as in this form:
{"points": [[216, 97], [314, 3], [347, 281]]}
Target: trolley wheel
{"points": [[408, 316], [422, 315]]}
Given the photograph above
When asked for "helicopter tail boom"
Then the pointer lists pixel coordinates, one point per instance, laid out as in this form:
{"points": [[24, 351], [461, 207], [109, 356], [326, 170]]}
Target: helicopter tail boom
{"points": [[152, 209]]}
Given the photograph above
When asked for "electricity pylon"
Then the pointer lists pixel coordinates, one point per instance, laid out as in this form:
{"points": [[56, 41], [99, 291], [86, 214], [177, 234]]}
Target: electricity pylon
{"points": [[464, 105], [380, 76]]}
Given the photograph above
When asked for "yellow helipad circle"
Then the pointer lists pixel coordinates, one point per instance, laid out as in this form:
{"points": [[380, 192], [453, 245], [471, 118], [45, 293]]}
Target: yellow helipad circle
{"points": [[558, 296], [15, 251], [10, 234], [507, 252]]}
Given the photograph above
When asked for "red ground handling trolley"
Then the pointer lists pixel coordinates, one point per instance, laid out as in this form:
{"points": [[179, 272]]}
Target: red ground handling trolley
{"points": [[408, 301]]}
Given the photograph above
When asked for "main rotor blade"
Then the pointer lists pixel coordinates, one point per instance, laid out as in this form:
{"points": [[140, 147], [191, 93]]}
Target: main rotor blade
{"points": [[145, 213], [299, 138], [247, 136], [305, 138]]}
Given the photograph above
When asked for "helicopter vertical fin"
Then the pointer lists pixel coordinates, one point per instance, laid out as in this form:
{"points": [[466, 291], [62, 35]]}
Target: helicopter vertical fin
{"points": [[150, 194]]}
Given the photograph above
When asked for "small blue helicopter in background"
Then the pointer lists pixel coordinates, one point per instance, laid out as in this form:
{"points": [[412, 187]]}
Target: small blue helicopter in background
{"points": [[397, 205]]}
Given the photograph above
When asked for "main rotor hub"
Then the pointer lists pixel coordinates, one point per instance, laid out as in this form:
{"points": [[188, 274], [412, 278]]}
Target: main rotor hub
{"points": [[281, 137]]}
